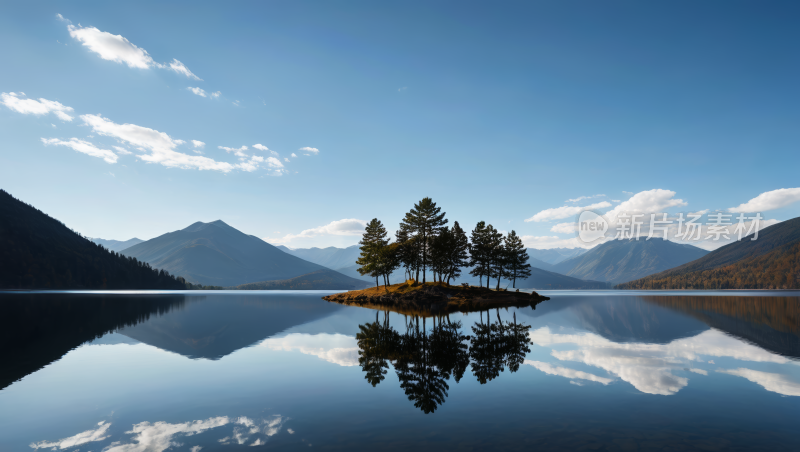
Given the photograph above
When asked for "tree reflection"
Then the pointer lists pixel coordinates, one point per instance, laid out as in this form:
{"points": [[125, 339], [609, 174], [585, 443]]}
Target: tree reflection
{"points": [[425, 360]]}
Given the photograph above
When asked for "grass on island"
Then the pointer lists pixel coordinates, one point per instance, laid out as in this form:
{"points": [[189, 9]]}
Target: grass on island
{"points": [[411, 286]]}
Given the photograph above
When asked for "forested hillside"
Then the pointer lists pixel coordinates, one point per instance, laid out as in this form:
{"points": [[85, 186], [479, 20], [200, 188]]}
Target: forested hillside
{"points": [[770, 262], [39, 252], [778, 269]]}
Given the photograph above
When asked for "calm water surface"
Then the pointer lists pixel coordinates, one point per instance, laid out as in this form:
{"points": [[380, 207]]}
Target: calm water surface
{"points": [[287, 370]]}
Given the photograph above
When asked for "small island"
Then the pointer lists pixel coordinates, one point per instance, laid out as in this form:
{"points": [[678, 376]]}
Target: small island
{"points": [[435, 298]]}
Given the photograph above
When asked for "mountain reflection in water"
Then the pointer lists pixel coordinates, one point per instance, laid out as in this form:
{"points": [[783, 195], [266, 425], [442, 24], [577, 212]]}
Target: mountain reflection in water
{"points": [[578, 371]]}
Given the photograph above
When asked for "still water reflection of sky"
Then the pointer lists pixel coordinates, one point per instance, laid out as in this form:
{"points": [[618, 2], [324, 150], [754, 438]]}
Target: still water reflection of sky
{"points": [[283, 371]]}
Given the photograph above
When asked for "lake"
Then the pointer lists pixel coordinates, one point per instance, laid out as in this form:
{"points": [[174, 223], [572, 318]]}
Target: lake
{"points": [[190, 371]]}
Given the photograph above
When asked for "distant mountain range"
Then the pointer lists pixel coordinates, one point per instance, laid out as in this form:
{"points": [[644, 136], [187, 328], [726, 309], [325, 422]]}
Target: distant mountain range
{"points": [[116, 245], [554, 256], [217, 254], [770, 262], [619, 261], [39, 252], [331, 257]]}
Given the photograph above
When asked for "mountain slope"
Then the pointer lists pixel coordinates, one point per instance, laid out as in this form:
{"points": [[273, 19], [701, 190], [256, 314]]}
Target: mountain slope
{"points": [[318, 280], [331, 257], [39, 252], [216, 254], [554, 256], [620, 261], [116, 245], [770, 262]]}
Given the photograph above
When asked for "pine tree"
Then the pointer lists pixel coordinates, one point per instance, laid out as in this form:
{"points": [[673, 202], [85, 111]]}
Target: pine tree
{"points": [[373, 240], [516, 258], [408, 252], [423, 221], [496, 256], [478, 252]]}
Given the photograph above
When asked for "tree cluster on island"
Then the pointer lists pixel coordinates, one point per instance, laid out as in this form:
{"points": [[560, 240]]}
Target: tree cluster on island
{"points": [[425, 243]]}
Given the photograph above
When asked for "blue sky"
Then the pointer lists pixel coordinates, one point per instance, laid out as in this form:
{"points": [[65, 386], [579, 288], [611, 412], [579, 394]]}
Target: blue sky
{"points": [[498, 112]]}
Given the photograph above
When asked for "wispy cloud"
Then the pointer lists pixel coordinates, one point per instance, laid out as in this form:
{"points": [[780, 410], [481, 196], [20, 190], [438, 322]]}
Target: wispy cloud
{"points": [[261, 147], [180, 68], [348, 226], [15, 102], [158, 146], [84, 147], [559, 213], [309, 150], [581, 198], [97, 434], [117, 48], [199, 91]]}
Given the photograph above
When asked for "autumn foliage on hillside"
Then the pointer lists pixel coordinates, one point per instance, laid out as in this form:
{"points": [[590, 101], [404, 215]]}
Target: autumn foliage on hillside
{"points": [[778, 269]]}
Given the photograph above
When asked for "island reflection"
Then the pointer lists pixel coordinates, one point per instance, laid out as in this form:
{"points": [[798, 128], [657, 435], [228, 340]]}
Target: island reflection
{"points": [[425, 360]]}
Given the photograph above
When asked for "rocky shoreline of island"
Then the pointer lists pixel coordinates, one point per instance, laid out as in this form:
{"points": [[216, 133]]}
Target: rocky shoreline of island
{"points": [[435, 298]]}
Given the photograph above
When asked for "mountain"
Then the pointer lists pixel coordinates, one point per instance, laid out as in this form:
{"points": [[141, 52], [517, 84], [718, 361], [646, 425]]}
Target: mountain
{"points": [[39, 252], [319, 280], [770, 262], [116, 245], [554, 256], [331, 257], [217, 254], [536, 263], [619, 261]]}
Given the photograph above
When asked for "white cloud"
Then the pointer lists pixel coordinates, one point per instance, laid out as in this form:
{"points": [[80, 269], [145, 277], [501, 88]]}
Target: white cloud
{"points": [[195, 449], [198, 144], [252, 163], [334, 348], [62, 19], [566, 372], [35, 107], [699, 371], [111, 47], [239, 152], [544, 242], [158, 436], [199, 91], [158, 146], [581, 198], [650, 201], [180, 68], [261, 147], [84, 147], [770, 200], [770, 381], [216, 94], [310, 151], [286, 159], [98, 434], [649, 367], [294, 155], [615, 200], [565, 228], [348, 226], [118, 49], [559, 213], [122, 150]]}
